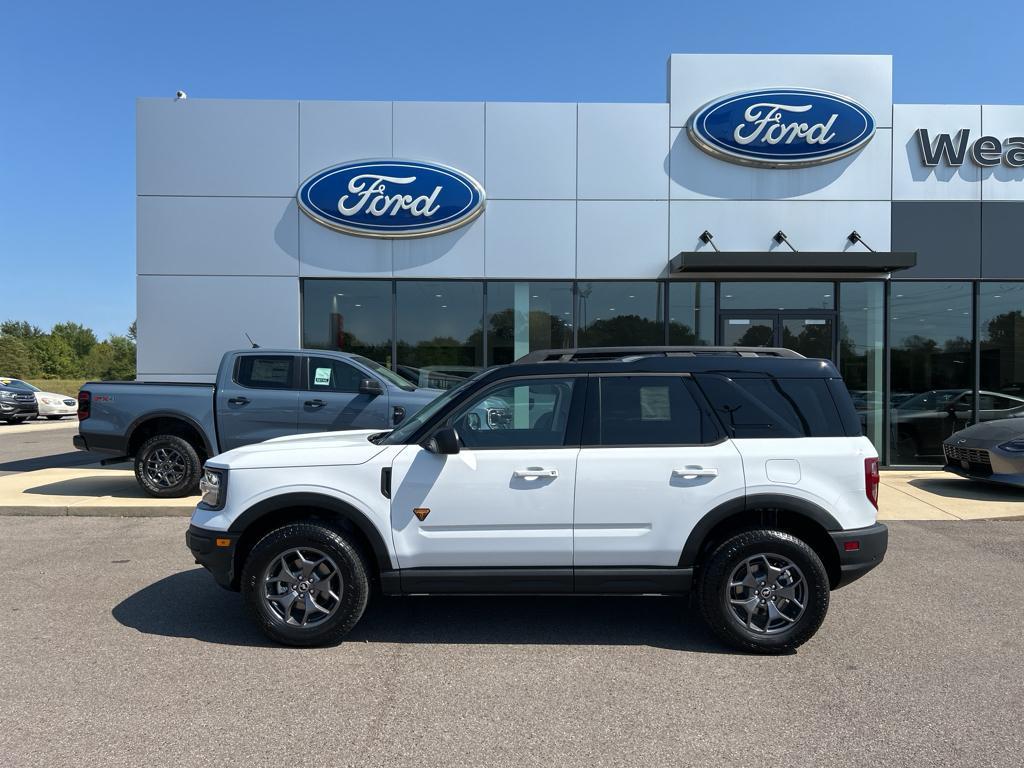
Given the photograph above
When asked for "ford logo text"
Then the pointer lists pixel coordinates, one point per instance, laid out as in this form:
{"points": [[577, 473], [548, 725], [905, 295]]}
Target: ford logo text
{"points": [[781, 127], [391, 198]]}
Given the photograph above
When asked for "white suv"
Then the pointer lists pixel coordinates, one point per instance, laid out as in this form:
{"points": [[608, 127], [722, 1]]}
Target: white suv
{"points": [[740, 473]]}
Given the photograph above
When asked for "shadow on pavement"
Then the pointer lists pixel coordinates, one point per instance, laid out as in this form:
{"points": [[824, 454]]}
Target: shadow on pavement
{"points": [[57, 460], [960, 488], [190, 604]]}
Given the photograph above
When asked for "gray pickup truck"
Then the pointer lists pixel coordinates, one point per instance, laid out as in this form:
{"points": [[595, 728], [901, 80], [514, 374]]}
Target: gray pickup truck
{"points": [[170, 429]]}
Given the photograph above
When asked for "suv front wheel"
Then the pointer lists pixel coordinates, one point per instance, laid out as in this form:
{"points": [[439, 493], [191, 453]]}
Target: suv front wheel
{"points": [[764, 591], [306, 584]]}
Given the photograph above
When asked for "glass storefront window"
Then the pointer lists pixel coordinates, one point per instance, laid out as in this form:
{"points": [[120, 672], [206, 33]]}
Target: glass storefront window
{"points": [[620, 314], [778, 296], [348, 315], [862, 352], [691, 313], [440, 331], [932, 367], [522, 317], [1001, 339]]}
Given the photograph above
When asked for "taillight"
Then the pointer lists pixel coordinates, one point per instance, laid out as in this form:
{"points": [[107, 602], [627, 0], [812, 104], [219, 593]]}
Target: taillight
{"points": [[871, 481], [84, 405]]}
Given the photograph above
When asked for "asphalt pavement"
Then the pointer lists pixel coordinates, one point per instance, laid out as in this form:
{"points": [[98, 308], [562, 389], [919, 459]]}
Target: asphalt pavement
{"points": [[116, 650], [41, 444]]}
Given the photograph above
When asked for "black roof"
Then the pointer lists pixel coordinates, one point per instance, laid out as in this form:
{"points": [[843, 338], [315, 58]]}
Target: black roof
{"points": [[733, 361]]}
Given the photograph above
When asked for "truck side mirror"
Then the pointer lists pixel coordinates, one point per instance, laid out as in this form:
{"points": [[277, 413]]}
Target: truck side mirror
{"points": [[370, 387], [443, 442]]}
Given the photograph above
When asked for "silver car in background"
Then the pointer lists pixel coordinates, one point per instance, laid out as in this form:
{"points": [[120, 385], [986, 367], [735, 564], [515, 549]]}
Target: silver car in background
{"points": [[991, 451]]}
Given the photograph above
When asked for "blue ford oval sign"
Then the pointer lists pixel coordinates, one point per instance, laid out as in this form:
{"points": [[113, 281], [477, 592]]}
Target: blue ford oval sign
{"points": [[781, 127], [391, 198]]}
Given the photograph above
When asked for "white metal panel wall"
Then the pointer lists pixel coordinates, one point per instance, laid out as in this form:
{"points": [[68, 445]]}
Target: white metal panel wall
{"points": [[214, 147], [217, 235], [186, 323], [911, 178], [744, 225], [1002, 182]]}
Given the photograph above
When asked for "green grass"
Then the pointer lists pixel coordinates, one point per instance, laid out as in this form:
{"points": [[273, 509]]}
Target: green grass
{"points": [[67, 387]]}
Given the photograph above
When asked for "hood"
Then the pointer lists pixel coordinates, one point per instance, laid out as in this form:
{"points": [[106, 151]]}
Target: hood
{"points": [[417, 398], [988, 432], [312, 450]]}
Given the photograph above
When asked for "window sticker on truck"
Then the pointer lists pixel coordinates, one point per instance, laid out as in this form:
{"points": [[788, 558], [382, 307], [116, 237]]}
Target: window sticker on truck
{"points": [[322, 377]]}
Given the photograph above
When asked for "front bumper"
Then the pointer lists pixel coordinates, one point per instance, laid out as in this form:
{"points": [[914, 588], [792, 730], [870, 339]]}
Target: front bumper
{"points": [[871, 543], [12, 409], [215, 551]]}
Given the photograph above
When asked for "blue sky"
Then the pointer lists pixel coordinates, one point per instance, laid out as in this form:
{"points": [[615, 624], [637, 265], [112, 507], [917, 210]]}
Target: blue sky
{"points": [[70, 73]]}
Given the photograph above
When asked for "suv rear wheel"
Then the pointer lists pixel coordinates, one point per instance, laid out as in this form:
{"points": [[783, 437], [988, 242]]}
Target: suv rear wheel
{"points": [[764, 591], [306, 584]]}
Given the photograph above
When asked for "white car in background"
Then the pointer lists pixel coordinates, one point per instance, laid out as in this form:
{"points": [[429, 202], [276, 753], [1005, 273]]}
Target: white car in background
{"points": [[51, 405]]}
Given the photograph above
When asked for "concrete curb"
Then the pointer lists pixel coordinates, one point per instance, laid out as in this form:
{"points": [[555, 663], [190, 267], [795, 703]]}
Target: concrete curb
{"points": [[94, 511]]}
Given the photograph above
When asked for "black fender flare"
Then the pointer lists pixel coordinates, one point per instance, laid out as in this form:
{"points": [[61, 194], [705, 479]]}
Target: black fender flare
{"points": [[151, 415], [780, 501], [317, 501]]}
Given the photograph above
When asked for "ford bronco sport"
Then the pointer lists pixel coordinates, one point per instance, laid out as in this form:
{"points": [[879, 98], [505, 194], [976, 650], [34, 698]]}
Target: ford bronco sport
{"points": [[740, 474]]}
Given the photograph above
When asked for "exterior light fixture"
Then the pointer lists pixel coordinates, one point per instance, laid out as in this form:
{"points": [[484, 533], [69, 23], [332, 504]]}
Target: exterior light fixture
{"points": [[854, 238], [707, 238], [780, 238], [180, 96]]}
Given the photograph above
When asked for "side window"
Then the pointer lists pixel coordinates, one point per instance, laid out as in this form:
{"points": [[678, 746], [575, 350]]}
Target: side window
{"points": [[328, 375], [648, 410], [265, 371], [769, 407], [521, 414]]}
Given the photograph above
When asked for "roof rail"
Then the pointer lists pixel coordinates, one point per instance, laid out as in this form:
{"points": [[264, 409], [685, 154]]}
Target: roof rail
{"points": [[581, 354]]}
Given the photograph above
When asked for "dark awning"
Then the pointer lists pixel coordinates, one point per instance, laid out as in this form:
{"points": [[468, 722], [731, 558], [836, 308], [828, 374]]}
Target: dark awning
{"points": [[791, 261]]}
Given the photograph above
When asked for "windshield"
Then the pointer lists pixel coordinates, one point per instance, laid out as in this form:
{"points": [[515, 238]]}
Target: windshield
{"points": [[409, 428], [385, 373], [19, 384]]}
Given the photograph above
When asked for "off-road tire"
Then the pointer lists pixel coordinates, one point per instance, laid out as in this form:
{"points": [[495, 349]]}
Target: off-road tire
{"points": [[713, 591], [190, 474], [351, 562]]}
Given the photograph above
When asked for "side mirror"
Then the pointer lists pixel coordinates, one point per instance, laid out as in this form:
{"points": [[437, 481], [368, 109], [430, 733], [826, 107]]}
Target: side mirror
{"points": [[370, 387], [443, 442]]}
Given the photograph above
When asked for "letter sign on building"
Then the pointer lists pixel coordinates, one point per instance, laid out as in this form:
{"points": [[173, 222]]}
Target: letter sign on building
{"points": [[781, 127], [391, 198]]}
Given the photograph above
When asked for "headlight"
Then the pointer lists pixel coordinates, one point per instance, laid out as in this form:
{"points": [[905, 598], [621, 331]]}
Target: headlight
{"points": [[6, 395], [1014, 446], [213, 486]]}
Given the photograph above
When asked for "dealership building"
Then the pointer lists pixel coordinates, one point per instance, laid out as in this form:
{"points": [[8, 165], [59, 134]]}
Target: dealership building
{"points": [[771, 200]]}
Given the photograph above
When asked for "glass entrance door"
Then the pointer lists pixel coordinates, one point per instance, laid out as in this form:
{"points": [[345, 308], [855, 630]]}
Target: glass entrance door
{"points": [[812, 334]]}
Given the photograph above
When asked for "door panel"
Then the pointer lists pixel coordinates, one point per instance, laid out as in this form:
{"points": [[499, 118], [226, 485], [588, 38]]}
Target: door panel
{"points": [[481, 513], [652, 465], [330, 399], [260, 401], [506, 499], [636, 506]]}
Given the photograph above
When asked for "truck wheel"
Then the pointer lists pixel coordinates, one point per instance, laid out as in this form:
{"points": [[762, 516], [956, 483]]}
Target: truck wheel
{"points": [[167, 466], [305, 584], [764, 591]]}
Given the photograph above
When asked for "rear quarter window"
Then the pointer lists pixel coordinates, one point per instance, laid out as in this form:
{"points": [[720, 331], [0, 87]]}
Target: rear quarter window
{"points": [[773, 407]]}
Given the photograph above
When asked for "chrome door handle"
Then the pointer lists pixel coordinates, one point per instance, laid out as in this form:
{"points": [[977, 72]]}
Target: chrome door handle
{"points": [[535, 472], [689, 472], [318, 403], [238, 401]]}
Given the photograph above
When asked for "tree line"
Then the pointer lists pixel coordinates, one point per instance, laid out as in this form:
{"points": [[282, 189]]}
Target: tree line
{"points": [[68, 351]]}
